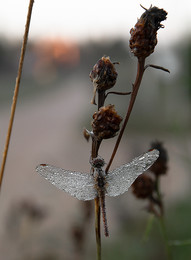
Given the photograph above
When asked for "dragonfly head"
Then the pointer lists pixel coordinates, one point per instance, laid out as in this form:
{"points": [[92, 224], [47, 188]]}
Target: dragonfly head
{"points": [[97, 162]]}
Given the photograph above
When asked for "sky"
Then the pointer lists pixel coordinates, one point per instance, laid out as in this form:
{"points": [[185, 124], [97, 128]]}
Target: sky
{"points": [[85, 19]]}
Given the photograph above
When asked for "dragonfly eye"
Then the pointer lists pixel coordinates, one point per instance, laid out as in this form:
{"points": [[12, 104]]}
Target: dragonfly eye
{"points": [[97, 162]]}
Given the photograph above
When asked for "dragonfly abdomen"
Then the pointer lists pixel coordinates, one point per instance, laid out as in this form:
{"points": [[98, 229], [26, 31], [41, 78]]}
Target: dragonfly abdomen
{"points": [[103, 209]]}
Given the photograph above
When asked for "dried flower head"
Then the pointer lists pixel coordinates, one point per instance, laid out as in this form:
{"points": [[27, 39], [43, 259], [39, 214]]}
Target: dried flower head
{"points": [[143, 186], [106, 122], [160, 166], [144, 35], [103, 75]]}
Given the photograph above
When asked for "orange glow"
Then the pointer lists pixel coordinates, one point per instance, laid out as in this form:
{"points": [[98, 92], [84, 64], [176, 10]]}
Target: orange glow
{"points": [[53, 55], [58, 52]]}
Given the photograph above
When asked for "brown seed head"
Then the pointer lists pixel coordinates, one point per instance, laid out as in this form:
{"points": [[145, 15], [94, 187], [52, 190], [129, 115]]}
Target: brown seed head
{"points": [[103, 75], [144, 35], [143, 186], [160, 166], [106, 122]]}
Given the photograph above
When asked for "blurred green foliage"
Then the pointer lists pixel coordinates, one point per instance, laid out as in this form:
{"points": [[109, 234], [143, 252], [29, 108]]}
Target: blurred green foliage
{"points": [[131, 245]]}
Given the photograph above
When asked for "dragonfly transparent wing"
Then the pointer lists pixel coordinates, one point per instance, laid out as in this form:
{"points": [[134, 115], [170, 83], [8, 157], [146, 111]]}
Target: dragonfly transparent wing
{"points": [[120, 179], [79, 185]]}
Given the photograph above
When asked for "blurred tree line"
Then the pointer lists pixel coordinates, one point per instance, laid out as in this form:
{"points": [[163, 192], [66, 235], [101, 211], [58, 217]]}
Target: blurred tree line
{"points": [[44, 71]]}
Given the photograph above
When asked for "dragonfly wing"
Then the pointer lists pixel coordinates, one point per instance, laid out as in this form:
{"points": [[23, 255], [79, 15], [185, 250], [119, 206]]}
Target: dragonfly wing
{"points": [[79, 185], [119, 180]]}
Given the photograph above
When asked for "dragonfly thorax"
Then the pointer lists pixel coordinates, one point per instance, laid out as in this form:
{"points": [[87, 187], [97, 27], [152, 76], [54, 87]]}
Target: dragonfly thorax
{"points": [[101, 181], [99, 175]]}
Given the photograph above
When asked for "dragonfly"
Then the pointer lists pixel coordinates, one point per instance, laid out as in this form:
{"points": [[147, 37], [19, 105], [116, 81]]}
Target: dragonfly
{"points": [[98, 183]]}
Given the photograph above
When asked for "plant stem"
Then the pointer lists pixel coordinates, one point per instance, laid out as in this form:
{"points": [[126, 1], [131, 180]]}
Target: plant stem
{"points": [[161, 220], [148, 228], [16, 91], [164, 233], [94, 153], [159, 198], [101, 98], [136, 85]]}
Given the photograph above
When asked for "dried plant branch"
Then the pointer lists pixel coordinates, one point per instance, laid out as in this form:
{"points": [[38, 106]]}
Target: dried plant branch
{"points": [[94, 154], [16, 91], [136, 85], [117, 93], [156, 67], [165, 237], [142, 43]]}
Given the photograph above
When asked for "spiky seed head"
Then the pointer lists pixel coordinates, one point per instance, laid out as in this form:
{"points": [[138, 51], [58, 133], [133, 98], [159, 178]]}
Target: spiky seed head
{"points": [[103, 75], [144, 35], [106, 122]]}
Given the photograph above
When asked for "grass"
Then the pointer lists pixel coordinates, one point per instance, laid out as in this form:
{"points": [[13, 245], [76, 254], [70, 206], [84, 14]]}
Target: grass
{"points": [[129, 243]]}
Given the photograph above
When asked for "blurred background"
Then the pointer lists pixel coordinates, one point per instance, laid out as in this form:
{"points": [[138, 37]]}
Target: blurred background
{"points": [[66, 39]]}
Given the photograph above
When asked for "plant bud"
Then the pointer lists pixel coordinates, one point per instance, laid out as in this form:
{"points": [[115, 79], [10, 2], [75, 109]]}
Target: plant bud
{"points": [[144, 35], [103, 75], [106, 122], [143, 187]]}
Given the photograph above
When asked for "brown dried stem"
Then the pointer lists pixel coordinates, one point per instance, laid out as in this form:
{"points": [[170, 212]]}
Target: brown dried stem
{"points": [[16, 91], [136, 85], [156, 67], [94, 154], [117, 93]]}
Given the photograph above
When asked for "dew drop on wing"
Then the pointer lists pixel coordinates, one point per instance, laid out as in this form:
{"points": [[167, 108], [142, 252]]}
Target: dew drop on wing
{"points": [[77, 184], [119, 180]]}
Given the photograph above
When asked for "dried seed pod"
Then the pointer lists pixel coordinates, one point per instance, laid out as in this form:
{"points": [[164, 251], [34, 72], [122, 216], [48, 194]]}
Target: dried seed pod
{"points": [[103, 75], [106, 122], [160, 166], [143, 186], [144, 35]]}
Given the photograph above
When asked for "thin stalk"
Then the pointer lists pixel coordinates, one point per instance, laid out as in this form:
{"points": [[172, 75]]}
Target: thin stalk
{"points": [[156, 67], [148, 228], [162, 222], [136, 85], [165, 237], [94, 153], [16, 91], [117, 93], [101, 98], [159, 199]]}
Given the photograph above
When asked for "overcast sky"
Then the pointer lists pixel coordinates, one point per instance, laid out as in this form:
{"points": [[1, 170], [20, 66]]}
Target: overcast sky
{"points": [[85, 19]]}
